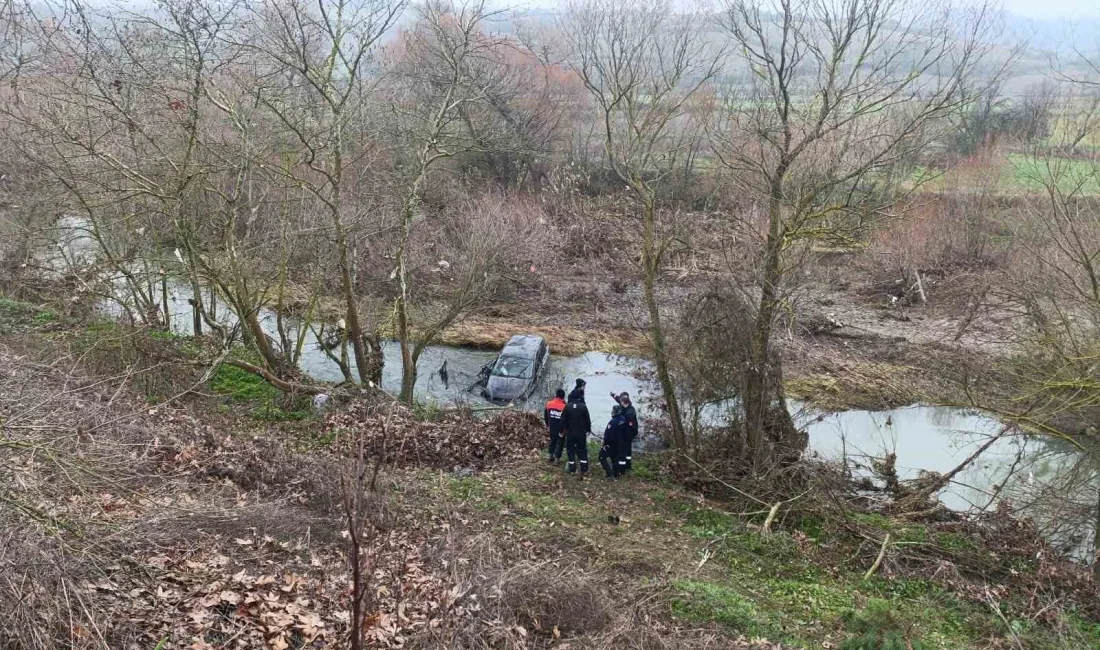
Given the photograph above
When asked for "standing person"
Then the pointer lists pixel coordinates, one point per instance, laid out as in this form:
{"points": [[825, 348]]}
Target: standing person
{"points": [[614, 436], [552, 417], [577, 424], [578, 390], [631, 416]]}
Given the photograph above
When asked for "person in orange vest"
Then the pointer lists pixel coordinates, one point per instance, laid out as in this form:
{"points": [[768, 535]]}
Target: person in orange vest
{"points": [[552, 417]]}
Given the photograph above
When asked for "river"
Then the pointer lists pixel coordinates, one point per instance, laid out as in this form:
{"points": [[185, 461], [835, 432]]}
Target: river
{"points": [[925, 438]]}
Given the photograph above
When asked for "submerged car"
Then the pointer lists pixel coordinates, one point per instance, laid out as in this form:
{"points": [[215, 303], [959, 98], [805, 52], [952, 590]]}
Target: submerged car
{"points": [[515, 372]]}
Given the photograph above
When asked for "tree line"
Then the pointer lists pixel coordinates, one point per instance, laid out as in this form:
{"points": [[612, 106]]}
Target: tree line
{"points": [[386, 169]]}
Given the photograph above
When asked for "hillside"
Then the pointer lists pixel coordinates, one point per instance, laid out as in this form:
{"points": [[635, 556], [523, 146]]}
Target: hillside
{"points": [[185, 525]]}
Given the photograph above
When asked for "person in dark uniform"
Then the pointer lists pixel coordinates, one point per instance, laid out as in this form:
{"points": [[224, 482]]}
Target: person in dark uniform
{"points": [[631, 416], [552, 417], [614, 436], [578, 391], [577, 424]]}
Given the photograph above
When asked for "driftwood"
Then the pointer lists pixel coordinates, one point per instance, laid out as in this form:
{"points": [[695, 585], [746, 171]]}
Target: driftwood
{"points": [[918, 499], [767, 529]]}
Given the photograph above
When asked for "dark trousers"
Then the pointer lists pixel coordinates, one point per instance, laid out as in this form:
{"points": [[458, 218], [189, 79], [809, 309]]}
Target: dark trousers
{"points": [[577, 449], [612, 459], [628, 452], [557, 445]]}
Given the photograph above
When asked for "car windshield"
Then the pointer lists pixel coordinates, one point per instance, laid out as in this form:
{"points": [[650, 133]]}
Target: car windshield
{"points": [[515, 367]]}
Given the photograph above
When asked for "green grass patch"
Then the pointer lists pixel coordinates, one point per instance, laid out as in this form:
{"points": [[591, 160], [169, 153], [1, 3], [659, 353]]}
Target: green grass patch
{"points": [[466, 488], [266, 403], [708, 602], [428, 411], [813, 527], [704, 523], [955, 542], [1037, 173], [872, 519], [16, 314], [876, 628], [646, 467], [911, 535], [297, 410], [241, 384], [813, 599]]}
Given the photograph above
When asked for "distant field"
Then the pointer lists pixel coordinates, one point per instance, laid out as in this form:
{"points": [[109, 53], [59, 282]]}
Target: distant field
{"points": [[1069, 175], [1014, 173], [1064, 131]]}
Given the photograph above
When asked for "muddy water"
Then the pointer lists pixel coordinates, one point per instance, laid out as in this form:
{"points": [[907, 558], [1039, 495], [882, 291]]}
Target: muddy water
{"points": [[925, 438]]}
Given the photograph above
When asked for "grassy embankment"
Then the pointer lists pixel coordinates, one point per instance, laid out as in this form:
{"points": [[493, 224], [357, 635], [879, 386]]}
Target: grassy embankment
{"points": [[718, 569], [697, 563]]}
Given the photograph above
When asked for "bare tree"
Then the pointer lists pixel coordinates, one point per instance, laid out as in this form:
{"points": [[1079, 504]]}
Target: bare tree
{"points": [[318, 78], [443, 77], [832, 97], [643, 65], [1053, 282]]}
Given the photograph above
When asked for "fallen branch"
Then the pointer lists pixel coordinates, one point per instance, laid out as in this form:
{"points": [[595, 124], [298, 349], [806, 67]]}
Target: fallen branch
{"points": [[767, 529], [281, 384], [919, 286], [878, 560], [935, 486]]}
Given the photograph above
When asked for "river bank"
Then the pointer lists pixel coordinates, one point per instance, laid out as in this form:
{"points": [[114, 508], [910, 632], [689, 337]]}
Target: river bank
{"points": [[197, 522]]}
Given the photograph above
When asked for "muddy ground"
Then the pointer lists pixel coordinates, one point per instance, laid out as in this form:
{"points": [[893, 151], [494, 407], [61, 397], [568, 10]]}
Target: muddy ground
{"points": [[858, 338]]}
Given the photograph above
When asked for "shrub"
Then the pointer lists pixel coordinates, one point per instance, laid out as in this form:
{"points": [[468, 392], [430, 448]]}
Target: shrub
{"points": [[876, 628]]}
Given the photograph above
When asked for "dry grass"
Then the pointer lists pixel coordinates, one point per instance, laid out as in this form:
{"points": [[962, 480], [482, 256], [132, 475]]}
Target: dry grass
{"points": [[124, 525], [96, 484], [563, 339]]}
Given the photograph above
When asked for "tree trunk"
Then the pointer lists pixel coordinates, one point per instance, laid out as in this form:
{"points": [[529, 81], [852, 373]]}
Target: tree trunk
{"points": [[651, 264], [355, 330], [164, 301], [196, 302], [408, 358], [1096, 535], [263, 344], [374, 365], [408, 363], [758, 393]]}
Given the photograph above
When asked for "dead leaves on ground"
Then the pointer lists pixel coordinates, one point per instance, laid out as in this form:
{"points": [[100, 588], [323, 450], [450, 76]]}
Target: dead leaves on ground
{"points": [[261, 593], [455, 440]]}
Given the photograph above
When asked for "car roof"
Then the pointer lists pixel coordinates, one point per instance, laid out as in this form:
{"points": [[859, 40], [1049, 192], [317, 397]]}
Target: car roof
{"points": [[523, 345]]}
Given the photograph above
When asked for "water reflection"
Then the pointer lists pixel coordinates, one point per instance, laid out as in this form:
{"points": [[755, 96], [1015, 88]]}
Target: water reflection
{"points": [[925, 438]]}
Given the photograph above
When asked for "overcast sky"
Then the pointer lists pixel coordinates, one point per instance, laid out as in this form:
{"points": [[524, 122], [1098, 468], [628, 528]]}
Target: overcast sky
{"points": [[1054, 8], [1044, 9]]}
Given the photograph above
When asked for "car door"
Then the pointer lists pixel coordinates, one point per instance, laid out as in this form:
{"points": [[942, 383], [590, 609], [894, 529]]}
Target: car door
{"points": [[544, 358]]}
